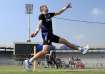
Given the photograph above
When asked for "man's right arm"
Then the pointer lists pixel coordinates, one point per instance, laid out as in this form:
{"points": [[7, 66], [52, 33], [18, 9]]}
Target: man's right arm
{"points": [[37, 29]]}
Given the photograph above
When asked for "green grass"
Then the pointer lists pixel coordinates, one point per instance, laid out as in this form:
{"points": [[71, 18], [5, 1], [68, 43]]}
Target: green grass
{"points": [[20, 70]]}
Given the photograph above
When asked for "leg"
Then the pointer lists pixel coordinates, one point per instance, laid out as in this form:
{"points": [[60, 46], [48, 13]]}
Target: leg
{"points": [[40, 54], [64, 41], [57, 39], [28, 63], [46, 42], [83, 50]]}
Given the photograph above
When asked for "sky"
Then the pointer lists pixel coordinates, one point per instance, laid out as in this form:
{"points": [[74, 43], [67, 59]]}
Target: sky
{"points": [[14, 21]]}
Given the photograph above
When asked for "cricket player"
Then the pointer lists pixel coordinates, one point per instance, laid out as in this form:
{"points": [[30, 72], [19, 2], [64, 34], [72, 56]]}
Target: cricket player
{"points": [[45, 25]]}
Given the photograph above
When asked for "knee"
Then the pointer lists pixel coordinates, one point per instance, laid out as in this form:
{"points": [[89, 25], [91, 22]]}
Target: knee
{"points": [[45, 49], [45, 52]]}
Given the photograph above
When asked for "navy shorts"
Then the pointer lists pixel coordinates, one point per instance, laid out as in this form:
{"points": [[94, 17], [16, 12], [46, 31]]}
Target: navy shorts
{"points": [[49, 38]]}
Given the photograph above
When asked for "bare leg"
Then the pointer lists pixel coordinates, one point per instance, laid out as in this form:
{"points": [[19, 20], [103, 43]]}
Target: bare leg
{"points": [[64, 41], [40, 54]]}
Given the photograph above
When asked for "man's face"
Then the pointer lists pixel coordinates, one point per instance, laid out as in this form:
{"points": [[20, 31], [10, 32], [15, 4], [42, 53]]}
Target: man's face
{"points": [[44, 9]]}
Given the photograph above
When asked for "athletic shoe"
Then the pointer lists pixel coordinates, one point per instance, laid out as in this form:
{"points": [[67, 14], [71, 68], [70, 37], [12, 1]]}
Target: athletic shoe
{"points": [[84, 50], [27, 65]]}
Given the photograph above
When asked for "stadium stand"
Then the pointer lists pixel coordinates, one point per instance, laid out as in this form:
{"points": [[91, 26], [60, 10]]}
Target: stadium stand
{"points": [[94, 59]]}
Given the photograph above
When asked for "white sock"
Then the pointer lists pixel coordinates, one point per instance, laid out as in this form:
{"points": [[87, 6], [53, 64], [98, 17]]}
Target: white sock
{"points": [[32, 59], [80, 48]]}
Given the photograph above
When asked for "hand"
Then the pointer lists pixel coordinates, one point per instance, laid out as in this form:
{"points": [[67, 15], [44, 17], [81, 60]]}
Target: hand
{"points": [[69, 6], [33, 34]]}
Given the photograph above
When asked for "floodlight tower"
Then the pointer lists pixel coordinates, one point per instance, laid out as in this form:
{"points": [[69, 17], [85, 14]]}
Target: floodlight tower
{"points": [[29, 11]]}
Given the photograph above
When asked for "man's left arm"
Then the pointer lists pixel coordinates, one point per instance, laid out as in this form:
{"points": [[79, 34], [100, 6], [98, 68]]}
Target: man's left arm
{"points": [[63, 9]]}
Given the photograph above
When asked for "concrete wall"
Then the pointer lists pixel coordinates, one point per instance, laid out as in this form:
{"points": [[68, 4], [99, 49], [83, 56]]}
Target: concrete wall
{"points": [[7, 61], [7, 58]]}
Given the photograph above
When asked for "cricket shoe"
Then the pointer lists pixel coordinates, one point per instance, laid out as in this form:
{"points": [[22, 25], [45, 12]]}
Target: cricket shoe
{"points": [[27, 65], [84, 50]]}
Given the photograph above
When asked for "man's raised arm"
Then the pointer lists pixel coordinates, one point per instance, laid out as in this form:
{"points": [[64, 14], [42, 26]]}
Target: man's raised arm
{"points": [[63, 9]]}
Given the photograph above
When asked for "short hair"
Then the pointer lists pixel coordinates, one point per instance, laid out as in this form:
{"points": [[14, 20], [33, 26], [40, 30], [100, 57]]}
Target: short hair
{"points": [[42, 7]]}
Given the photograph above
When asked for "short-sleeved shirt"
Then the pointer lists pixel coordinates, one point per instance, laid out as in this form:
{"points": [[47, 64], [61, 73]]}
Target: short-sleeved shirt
{"points": [[47, 29], [46, 22]]}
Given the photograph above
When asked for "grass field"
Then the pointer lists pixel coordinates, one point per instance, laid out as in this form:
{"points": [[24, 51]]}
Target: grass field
{"points": [[20, 70]]}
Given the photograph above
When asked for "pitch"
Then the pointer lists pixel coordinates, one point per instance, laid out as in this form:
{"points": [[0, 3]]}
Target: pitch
{"points": [[20, 70]]}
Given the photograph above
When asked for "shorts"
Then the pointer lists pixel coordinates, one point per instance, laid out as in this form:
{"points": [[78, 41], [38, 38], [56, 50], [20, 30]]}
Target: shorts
{"points": [[49, 38]]}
